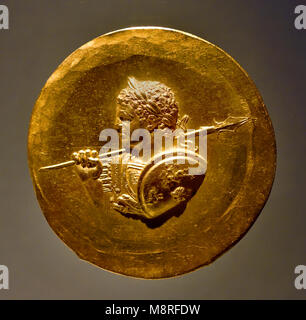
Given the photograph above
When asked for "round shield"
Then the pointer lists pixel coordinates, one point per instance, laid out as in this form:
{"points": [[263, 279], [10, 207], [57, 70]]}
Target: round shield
{"points": [[169, 181]]}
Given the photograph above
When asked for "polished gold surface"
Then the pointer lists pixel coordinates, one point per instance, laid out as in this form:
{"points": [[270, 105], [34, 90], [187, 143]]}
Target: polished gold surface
{"points": [[150, 219]]}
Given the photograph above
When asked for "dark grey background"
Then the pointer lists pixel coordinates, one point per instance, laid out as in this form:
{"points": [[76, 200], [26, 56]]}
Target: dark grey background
{"points": [[261, 36]]}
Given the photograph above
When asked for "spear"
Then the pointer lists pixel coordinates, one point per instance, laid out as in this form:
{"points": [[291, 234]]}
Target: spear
{"points": [[229, 124], [72, 162]]}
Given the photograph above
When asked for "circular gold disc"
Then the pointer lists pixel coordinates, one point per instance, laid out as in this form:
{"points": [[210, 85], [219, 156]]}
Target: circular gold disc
{"points": [[100, 218]]}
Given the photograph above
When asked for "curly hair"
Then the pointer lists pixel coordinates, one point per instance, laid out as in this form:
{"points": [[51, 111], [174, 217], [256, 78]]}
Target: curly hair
{"points": [[152, 102]]}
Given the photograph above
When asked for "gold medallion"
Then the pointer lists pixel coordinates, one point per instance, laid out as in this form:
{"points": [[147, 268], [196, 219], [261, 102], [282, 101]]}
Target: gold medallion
{"points": [[114, 189]]}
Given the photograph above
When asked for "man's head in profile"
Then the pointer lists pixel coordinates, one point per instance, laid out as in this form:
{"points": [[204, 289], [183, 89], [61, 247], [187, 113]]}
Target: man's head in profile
{"points": [[148, 105]]}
